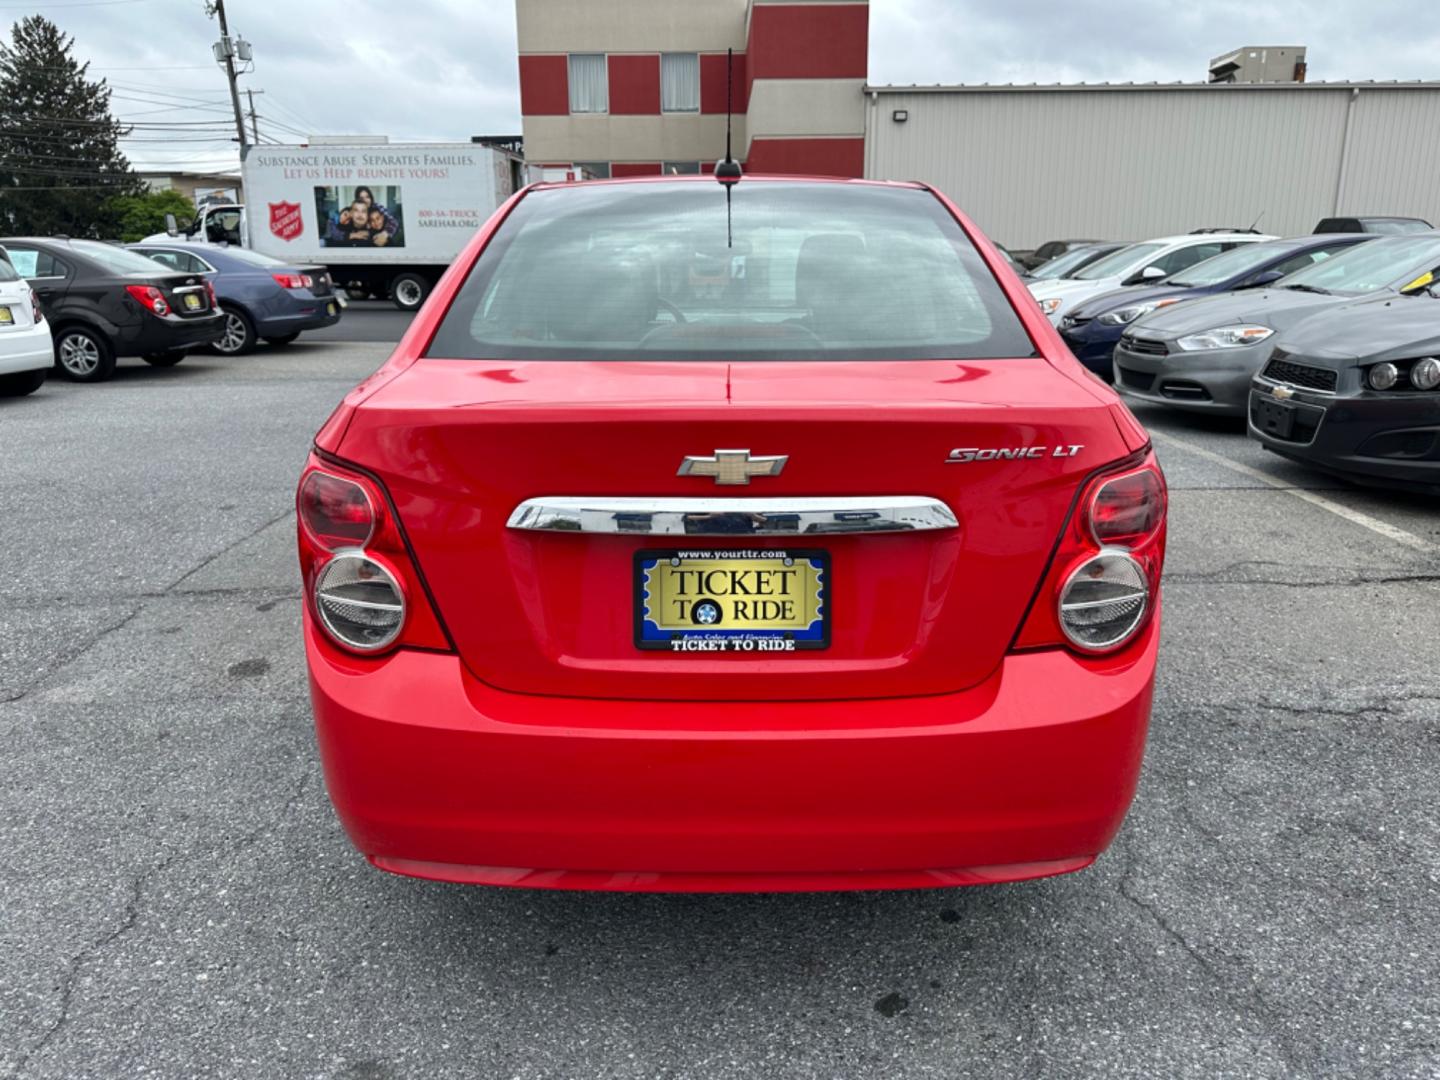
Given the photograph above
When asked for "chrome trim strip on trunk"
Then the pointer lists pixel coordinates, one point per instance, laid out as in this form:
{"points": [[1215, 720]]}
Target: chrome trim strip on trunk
{"points": [[733, 517]]}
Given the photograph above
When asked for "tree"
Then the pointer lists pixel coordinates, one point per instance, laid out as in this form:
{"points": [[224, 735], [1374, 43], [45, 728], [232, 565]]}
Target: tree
{"points": [[60, 161], [139, 216]]}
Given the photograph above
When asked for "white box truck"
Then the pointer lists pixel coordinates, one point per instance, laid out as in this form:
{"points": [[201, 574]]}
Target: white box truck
{"points": [[385, 219]]}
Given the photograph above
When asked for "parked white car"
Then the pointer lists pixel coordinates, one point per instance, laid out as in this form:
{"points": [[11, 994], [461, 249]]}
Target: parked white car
{"points": [[27, 352], [1139, 264]]}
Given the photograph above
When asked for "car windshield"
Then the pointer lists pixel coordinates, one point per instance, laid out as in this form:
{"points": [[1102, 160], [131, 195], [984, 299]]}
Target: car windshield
{"points": [[1378, 264], [1230, 264], [254, 258], [114, 259], [1118, 264], [1063, 264], [805, 271], [1395, 226]]}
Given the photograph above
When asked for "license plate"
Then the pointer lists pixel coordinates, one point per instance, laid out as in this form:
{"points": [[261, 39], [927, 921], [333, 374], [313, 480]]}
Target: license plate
{"points": [[342, 302], [1274, 417], [6, 316], [192, 302], [745, 601], [330, 309]]}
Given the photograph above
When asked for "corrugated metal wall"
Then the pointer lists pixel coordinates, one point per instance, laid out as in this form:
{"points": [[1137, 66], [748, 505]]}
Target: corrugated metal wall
{"points": [[1036, 165]]}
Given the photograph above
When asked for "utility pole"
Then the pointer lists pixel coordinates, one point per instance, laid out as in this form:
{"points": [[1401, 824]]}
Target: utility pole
{"points": [[225, 51], [254, 120]]}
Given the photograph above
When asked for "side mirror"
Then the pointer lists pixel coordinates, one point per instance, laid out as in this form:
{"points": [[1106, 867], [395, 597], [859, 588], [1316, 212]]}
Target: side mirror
{"points": [[1152, 273], [171, 228], [1268, 277]]}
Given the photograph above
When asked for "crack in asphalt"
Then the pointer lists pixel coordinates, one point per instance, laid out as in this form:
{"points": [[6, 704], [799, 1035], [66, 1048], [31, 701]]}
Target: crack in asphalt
{"points": [[272, 593], [1247, 1000], [131, 917], [1391, 579], [76, 654], [225, 551]]}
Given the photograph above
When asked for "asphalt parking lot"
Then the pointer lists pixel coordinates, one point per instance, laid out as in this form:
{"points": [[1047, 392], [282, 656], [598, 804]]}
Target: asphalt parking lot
{"points": [[179, 900]]}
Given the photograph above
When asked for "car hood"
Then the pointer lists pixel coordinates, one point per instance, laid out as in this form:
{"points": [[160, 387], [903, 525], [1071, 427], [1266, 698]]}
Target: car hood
{"points": [[1134, 294], [1064, 287], [1276, 308], [1395, 328]]}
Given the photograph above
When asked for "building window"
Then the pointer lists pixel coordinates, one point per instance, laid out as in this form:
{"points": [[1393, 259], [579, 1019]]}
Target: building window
{"points": [[680, 168], [589, 88], [592, 170], [679, 82]]}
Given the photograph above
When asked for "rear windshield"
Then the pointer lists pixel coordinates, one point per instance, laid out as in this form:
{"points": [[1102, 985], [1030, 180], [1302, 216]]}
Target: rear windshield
{"points": [[254, 258], [807, 271], [115, 259]]}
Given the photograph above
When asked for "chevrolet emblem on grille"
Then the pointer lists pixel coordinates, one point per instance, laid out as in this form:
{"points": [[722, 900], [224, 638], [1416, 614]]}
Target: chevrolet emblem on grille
{"points": [[1283, 392], [732, 466]]}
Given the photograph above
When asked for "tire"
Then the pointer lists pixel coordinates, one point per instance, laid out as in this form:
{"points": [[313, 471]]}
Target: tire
{"points": [[22, 382], [408, 291], [164, 359], [281, 341], [83, 355], [239, 336]]}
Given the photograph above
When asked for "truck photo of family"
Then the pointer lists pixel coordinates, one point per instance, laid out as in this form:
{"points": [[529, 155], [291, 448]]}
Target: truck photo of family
{"points": [[355, 217]]}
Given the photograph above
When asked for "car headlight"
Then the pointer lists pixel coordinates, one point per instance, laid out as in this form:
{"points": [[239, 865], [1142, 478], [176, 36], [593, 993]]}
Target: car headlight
{"points": [[1225, 337], [1383, 376], [1126, 315], [1050, 306], [1425, 375]]}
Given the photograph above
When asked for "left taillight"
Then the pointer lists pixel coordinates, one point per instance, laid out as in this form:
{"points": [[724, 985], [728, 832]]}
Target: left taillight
{"points": [[1104, 581], [361, 584], [150, 298]]}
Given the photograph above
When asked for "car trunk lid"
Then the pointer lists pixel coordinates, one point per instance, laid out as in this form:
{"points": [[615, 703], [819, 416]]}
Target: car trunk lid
{"points": [[460, 445]]}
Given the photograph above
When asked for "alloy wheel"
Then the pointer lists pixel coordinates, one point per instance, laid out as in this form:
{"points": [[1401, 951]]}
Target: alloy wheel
{"points": [[235, 336], [79, 354]]}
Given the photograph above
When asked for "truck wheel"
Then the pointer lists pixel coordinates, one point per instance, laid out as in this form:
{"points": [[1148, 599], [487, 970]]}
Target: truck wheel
{"points": [[409, 291], [83, 355], [22, 382], [239, 336]]}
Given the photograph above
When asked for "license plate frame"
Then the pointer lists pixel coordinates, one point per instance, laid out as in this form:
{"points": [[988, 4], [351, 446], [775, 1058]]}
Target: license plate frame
{"points": [[809, 627], [1275, 418]]}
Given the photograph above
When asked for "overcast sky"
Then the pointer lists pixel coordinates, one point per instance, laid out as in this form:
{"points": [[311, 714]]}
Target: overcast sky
{"points": [[445, 69]]}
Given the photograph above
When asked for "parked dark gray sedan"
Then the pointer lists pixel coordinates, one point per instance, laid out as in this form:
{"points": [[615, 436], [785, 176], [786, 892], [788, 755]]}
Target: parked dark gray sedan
{"points": [[1355, 391], [1200, 356]]}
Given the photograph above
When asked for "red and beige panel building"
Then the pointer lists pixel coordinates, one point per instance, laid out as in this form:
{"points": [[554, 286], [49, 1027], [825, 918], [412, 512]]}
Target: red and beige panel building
{"points": [[637, 87]]}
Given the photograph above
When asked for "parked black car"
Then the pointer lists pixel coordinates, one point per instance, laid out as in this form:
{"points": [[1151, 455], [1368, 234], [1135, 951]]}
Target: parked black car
{"points": [[1049, 250], [105, 302], [1355, 392], [1384, 226]]}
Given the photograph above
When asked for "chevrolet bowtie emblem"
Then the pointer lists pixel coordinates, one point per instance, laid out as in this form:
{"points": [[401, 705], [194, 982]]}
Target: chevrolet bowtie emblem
{"points": [[732, 466], [1282, 392]]}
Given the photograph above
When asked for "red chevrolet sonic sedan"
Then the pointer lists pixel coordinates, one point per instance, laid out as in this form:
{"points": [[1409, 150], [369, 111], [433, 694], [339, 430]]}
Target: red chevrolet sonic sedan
{"points": [[760, 537]]}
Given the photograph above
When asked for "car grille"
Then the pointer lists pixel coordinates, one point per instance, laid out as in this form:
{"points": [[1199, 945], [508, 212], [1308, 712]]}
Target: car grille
{"points": [[1280, 369], [1135, 380], [1145, 346]]}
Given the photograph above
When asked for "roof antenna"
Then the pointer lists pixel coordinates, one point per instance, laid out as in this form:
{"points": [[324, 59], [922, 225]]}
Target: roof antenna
{"points": [[728, 171], [1256, 221]]}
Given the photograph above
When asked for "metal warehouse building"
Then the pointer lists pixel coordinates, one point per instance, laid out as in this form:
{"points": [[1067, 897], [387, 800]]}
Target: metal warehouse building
{"points": [[1123, 161]]}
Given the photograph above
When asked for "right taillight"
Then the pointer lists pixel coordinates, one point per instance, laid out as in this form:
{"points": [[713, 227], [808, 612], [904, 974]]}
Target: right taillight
{"points": [[361, 582], [1102, 585]]}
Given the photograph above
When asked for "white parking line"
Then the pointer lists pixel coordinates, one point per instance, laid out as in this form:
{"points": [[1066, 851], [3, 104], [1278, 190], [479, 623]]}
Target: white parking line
{"points": [[1375, 525]]}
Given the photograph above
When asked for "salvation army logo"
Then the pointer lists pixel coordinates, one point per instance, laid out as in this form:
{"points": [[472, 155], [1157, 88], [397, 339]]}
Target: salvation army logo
{"points": [[285, 220]]}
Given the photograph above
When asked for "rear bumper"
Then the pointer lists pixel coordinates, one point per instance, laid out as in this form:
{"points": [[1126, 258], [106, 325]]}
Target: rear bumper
{"points": [[297, 312], [25, 349], [437, 775], [157, 335]]}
